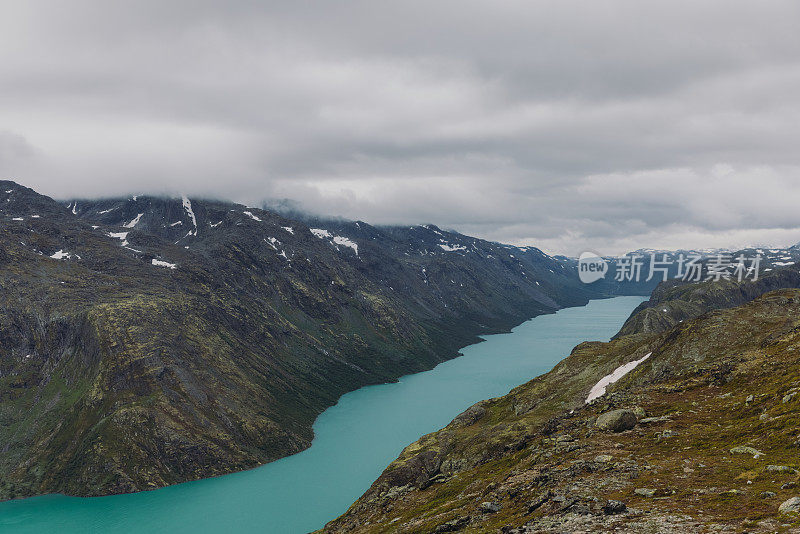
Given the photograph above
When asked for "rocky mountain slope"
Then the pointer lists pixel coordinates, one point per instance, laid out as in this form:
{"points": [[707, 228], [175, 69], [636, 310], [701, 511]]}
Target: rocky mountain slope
{"points": [[700, 435], [674, 301], [149, 341]]}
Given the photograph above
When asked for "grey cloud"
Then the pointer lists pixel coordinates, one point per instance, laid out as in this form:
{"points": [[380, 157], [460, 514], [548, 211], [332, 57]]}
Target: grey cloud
{"points": [[14, 149], [562, 124]]}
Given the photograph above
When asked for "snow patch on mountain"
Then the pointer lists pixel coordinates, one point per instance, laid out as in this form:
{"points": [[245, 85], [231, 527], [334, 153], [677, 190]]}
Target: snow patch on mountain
{"points": [[320, 233], [159, 263], [134, 222], [339, 240], [335, 239], [599, 389], [62, 255], [187, 206], [434, 230], [122, 236]]}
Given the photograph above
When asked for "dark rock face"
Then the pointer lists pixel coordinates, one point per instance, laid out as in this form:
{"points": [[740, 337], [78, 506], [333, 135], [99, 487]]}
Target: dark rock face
{"points": [[471, 415], [612, 507], [454, 525], [149, 341], [617, 420]]}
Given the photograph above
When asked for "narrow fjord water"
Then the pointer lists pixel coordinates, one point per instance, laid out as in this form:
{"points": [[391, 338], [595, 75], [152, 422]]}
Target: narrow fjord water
{"points": [[355, 441]]}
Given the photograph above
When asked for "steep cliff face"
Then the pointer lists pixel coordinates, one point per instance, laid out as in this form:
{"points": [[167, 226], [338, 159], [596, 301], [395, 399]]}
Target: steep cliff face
{"points": [[702, 432], [150, 341]]}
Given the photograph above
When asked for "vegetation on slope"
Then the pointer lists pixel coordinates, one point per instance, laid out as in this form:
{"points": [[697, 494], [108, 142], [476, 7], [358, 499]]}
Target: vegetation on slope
{"points": [[708, 438], [149, 341]]}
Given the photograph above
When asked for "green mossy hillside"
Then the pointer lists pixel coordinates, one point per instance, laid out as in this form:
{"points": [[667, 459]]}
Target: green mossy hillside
{"points": [[717, 390]]}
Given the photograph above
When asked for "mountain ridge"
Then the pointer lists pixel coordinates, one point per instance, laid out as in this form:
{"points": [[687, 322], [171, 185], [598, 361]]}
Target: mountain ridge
{"points": [[148, 341]]}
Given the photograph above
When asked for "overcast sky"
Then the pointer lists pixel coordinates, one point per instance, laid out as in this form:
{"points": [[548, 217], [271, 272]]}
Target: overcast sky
{"points": [[567, 125]]}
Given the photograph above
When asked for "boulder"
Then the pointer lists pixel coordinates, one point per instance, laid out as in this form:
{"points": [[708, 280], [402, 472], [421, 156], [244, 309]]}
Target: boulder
{"points": [[666, 434], [782, 469], [792, 506], [490, 507], [614, 507], [617, 420], [743, 449]]}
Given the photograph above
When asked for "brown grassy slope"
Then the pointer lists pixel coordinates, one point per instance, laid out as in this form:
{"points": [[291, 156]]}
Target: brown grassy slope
{"points": [[721, 381]]}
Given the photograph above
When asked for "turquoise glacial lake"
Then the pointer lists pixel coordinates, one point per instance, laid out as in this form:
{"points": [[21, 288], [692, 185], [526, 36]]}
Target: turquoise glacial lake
{"points": [[355, 440]]}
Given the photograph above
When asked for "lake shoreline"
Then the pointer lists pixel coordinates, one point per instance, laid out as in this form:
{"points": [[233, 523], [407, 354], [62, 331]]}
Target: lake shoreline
{"points": [[182, 495]]}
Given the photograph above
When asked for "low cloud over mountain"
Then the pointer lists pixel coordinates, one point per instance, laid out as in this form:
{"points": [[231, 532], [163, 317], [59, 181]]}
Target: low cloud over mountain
{"points": [[562, 124]]}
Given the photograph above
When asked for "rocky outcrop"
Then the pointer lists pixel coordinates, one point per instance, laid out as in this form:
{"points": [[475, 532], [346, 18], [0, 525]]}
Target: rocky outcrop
{"points": [[790, 506], [617, 420]]}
